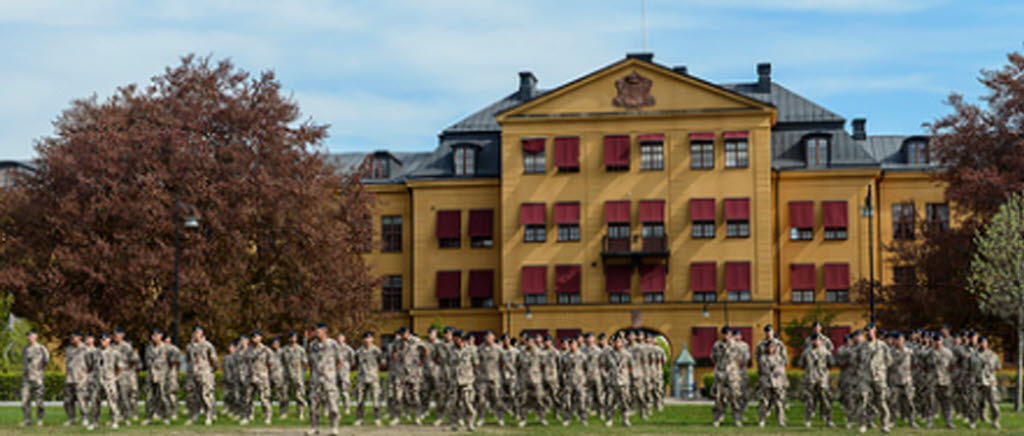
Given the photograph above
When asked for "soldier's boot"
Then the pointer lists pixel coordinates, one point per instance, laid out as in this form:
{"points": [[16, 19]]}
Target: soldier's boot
{"points": [[862, 429], [244, 421], [807, 423], [394, 422], [608, 423], [830, 424], [715, 423], [302, 414], [267, 420], [146, 422], [501, 421], [376, 423], [565, 423], [418, 421], [973, 425], [995, 424], [625, 421], [760, 422], [334, 430], [312, 432], [928, 423], [114, 424], [544, 421], [209, 421], [358, 423]]}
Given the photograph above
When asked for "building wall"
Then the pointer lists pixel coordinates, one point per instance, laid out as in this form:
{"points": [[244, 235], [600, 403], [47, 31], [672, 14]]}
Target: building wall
{"points": [[392, 200], [916, 187]]}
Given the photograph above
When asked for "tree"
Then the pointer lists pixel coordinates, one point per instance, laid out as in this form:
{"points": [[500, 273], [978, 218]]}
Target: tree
{"points": [[90, 233], [796, 330], [997, 273]]}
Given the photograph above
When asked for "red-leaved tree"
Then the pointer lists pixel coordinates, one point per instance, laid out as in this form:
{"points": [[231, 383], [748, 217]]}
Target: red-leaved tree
{"points": [[90, 234]]}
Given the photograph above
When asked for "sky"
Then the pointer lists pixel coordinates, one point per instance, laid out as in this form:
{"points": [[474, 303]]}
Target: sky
{"points": [[392, 74]]}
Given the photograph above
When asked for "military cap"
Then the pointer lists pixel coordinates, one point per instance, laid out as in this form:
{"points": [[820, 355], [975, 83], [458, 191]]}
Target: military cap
{"points": [[448, 329], [275, 339], [292, 333], [455, 332], [982, 339], [104, 335], [815, 324], [118, 330], [858, 332], [128, 340], [321, 325], [243, 336], [547, 337], [815, 336], [945, 327], [870, 326], [467, 335], [601, 336], [257, 332], [769, 328], [514, 341], [90, 335], [401, 330], [588, 335], [503, 336], [488, 332], [367, 335], [76, 333], [726, 330], [158, 331]]}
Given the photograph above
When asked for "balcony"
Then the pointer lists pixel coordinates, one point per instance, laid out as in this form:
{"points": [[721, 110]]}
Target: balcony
{"points": [[635, 248]]}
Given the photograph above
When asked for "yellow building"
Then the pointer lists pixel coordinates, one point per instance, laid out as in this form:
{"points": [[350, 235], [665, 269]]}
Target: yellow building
{"points": [[641, 196]]}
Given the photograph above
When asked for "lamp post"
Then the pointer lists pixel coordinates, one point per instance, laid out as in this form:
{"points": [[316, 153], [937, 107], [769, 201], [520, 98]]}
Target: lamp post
{"points": [[508, 314], [189, 221], [725, 308], [868, 211]]}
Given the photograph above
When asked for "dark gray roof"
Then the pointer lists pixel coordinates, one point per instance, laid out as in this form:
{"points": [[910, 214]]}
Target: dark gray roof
{"points": [[890, 151], [407, 164], [788, 149], [483, 119], [26, 164], [792, 107]]}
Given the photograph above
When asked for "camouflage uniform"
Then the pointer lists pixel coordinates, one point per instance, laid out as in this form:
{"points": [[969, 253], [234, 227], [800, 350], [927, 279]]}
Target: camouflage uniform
{"points": [[595, 380], [817, 394], [444, 388], [430, 390], [872, 361], [323, 366], [847, 382], [509, 379], [464, 361], [347, 357], [127, 381], [901, 384], [985, 397], [531, 385], [293, 361], [202, 362], [243, 381], [940, 398], [277, 385], [171, 389], [110, 362], [574, 368], [76, 391], [34, 359], [730, 361], [368, 361], [488, 382], [260, 364], [619, 366], [549, 364], [157, 366], [92, 382], [412, 355], [658, 360], [772, 384], [229, 378], [393, 391], [638, 383]]}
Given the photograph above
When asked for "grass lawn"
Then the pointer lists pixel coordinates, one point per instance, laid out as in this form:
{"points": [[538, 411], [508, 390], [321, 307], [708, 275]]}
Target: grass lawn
{"points": [[676, 419]]}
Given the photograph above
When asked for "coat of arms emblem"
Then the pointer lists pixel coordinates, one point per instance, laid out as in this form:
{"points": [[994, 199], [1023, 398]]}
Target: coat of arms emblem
{"points": [[634, 92]]}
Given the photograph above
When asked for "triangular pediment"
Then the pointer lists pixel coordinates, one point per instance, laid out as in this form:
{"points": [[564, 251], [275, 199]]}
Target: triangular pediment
{"points": [[634, 86]]}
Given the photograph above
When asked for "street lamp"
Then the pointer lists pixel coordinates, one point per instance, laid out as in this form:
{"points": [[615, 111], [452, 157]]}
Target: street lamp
{"points": [[868, 211], [190, 221], [725, 308], [508, 314]]}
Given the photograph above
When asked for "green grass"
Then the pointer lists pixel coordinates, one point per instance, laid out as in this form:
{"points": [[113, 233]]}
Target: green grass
{"points": [[676, 419]]}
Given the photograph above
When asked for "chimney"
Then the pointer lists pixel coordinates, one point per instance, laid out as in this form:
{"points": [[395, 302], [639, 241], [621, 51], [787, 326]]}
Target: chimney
{"points": [[681, 69], [764, 77], [527, 84], [859, 133], [644, 56]]}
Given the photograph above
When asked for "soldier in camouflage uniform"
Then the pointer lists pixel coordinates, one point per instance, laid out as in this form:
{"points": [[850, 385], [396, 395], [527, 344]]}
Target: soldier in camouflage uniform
{"points": [[294, 359], [618, 370], [368, 360], [412, 353], [107, 364], [817, 393], [261, 364], [229, 378], [531, 382], [171, 389], [277, 385], [549, 364], [345, 372], [872, 361], [431, 371], [901, 382], [34, 358], [127, 380], [201, 357], [594, 377], [574, 368], [464, 361], [76, 391], [394, 390], [847, 377], [488, 381], [940, 395], [730, 357], [772, 384], [982, 366], [157, 365], [762, 347], [638, 384], [509, 362], [825, 340], [243, 379], [324, 360], [444, 390], [658, 361]]}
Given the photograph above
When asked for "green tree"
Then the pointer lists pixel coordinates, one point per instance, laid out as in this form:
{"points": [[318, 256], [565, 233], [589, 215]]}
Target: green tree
{"points": [[997, 272], [797, 329]]}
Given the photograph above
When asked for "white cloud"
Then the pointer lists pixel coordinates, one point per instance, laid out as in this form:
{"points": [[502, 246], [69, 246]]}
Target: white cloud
{"points": [[830, 6]]}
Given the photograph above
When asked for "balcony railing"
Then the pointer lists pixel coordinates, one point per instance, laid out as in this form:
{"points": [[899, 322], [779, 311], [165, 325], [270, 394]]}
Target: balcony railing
{"points": [[624, 247]]}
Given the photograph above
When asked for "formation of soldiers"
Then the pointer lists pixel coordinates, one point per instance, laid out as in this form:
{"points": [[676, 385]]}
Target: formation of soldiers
{"points": [[883, 377]]}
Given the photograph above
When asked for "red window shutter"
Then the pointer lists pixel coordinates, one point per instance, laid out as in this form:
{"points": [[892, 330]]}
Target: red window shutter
{"points": [[616, 211], [801, 214], [837, 276], [567, 279], [737, 209], [563, 334], [652, 278], [702, 209], [747, 334], [702, 340], [448, 284], [481, 283], [618, 279], [567, 213], [533, 213], [481, 223], [652, 211], [702, 136], [533, 145], [449, 223], [737, 276], [652, 137], [616, 151], [735, 134], [535, 280], [801, 276], [834, 214], [567, 152], [703, 277], [836, 334]]}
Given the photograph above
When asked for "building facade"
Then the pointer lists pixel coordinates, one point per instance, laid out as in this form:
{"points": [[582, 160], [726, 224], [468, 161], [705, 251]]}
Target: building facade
{"points": [[640, 196]]}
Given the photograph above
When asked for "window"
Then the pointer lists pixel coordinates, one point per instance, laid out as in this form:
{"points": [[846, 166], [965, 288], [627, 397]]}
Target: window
{"points": [[568, 232], [535, 299], [448, 292], [618, 283], [802, 282], [704, 281], [739, 295], [803, 295], [616, 152], [835, 234], [817, 152], [481, 302], [702, 213], [903, 221], [654, 297], [796, 234], [533, 216], [736, 150], [535, 233], [567, 217], [903, 275], [835, 219], [391, 233], [652, 282], [737, 280], [917, 152], [381, 167], [448, 303], [653, 230], [534, 284], [703, 229], [837, 295], [618, 298], [481, 288], [618, 231], [569, 298], [704, 296], [737, 229], [481, 225], [449, 227], [737, 216], [651, 156], [391, 294], [801, 220], [567, 154], [702, 155], [465, 161], [938, 215], [533, 162]]}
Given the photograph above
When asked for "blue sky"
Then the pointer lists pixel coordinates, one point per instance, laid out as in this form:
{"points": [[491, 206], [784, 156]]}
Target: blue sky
{"points": [[392, 74]]}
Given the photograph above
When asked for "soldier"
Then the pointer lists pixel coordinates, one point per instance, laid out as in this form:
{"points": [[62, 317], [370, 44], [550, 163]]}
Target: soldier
{"points": [[872, 361], [277, 387], [847, 370], [261, 364], [488, 381], [293, 361], [368, 360], [817, 393], [901, 382], [395, 392], [411, 353], [619, 368], [983, 366], [127, 380], [825, 340], [171, 389], [719, 392], [656, 372], [34, 358], [243, 380], [549, 365], [439, 355], [464, 361], [76, 391], [508, 364], [531, 382], [771, 338], [91, 360], [638, 384], [157, 366], [345, 372], [201, 357], [595, 380], [772, 384], [324, 360], [431, 371], [574, 368], [229, 378], [938, 363], [107, 364]]}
